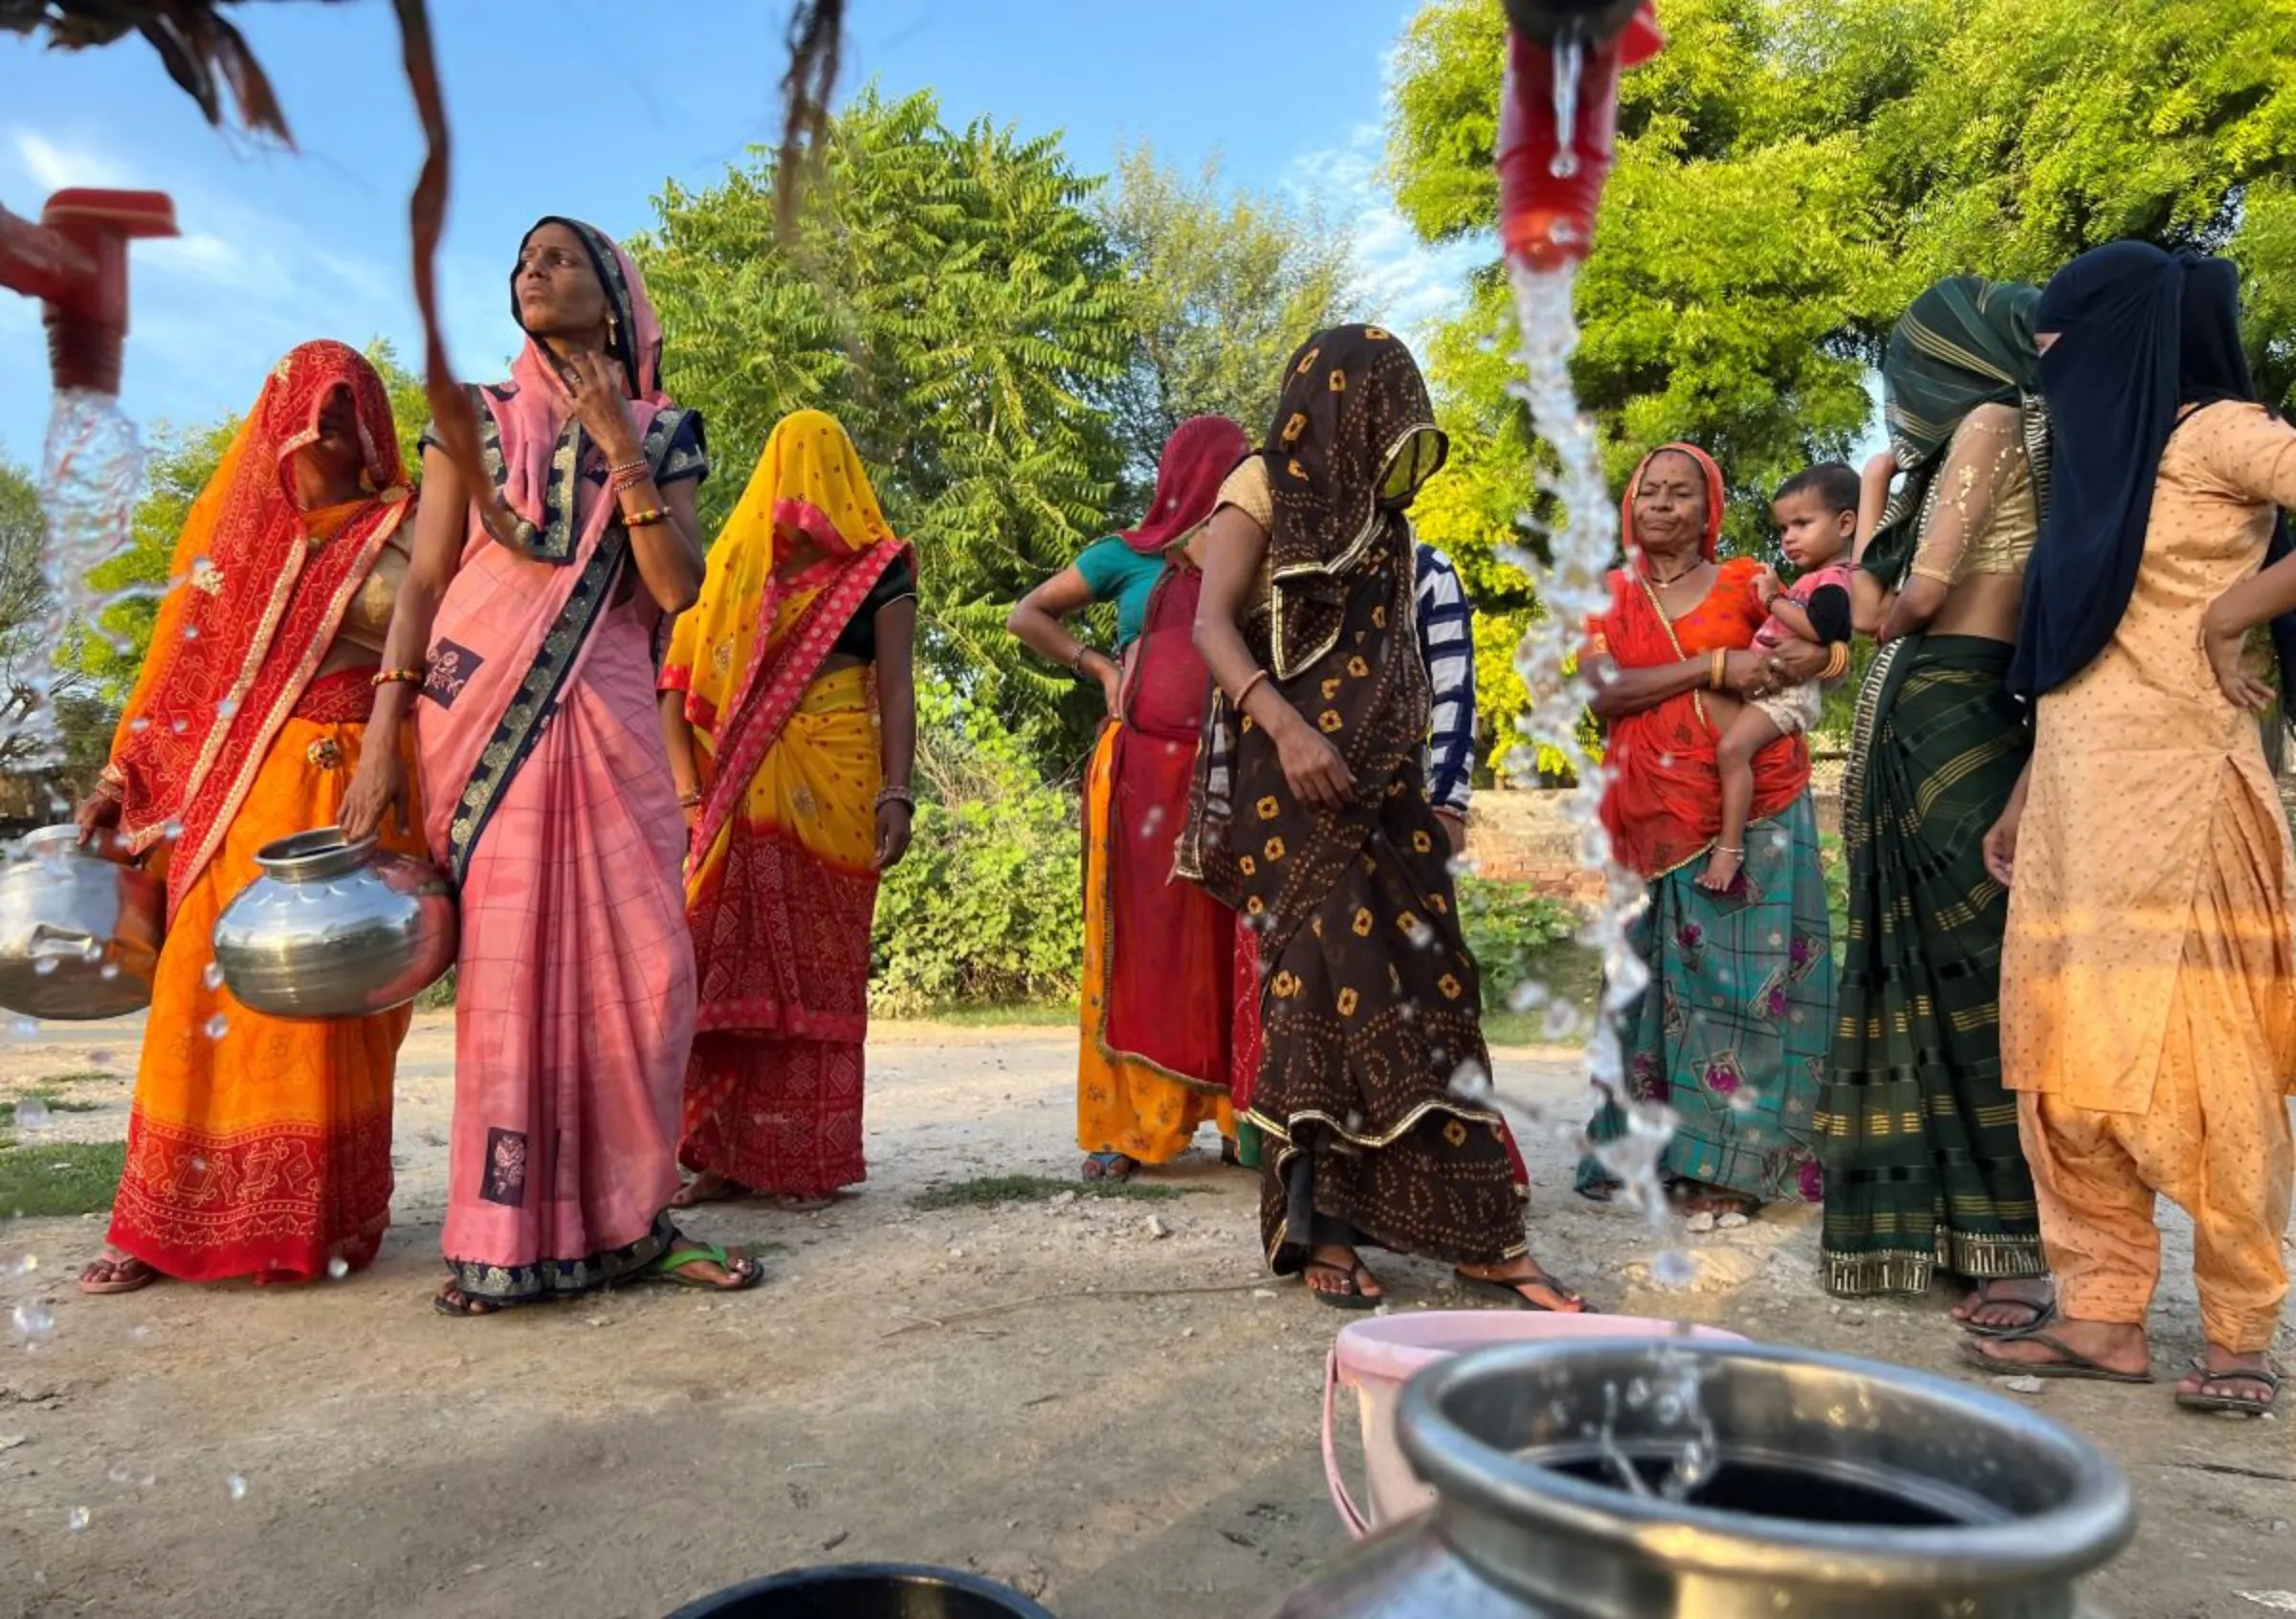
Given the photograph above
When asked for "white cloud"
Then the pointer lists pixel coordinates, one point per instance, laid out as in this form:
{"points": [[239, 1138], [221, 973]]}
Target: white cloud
{"points": [[53, 168], [1400, 281]]}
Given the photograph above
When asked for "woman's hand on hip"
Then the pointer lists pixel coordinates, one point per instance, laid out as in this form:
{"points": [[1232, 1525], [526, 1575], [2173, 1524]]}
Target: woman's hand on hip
{"points": [[896, 821], [2224, 649], [379, 786], [1313, 769]]}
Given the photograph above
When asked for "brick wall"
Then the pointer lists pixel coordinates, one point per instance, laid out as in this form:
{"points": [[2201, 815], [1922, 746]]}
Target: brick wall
{"points": [[1522, 836]]}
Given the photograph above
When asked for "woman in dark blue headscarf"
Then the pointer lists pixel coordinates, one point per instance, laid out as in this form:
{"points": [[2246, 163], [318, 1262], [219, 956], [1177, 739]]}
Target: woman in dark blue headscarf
{"points": [[2149, 974]]}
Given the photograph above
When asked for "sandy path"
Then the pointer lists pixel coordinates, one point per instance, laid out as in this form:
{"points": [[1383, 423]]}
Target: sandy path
{"points": [[1127, 1458]]}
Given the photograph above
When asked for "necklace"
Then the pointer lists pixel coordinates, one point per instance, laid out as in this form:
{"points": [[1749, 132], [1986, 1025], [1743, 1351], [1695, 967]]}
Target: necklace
{"points": [[1676, 578]]}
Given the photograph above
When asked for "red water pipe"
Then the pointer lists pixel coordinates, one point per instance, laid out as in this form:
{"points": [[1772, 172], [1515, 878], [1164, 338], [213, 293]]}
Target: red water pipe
{"points": [[1546, 218], [75, 261]]}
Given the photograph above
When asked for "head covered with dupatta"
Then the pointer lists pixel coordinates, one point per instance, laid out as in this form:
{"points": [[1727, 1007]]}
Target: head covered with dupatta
{"points": [[2141, 336], [1710, 476], [257, 590], [1352, 441], [806, 534], [1196, 459], [1964, 342]]}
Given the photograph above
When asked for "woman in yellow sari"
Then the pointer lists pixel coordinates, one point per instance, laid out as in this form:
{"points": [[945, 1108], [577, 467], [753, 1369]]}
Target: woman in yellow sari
{"points": [[789, 710], [256, 1146]]}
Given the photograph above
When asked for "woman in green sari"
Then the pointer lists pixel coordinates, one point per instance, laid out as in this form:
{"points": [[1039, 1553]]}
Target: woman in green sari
{"points": [[1924, 1170]]}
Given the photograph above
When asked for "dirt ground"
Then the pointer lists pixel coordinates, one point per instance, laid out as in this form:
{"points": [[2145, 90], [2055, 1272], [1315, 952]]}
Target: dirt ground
{"points": [[1119, 1446]]}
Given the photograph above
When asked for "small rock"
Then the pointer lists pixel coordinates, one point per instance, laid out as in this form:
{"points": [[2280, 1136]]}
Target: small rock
{"points": [[10, 1441], [596, 1321], [1732, 1221], [2021, 1384], [1263, 1292], [1853, 1317], [956, 1252], [1699, 1224], [1188, 1332], [1063, 1200], [1157, 1229]]}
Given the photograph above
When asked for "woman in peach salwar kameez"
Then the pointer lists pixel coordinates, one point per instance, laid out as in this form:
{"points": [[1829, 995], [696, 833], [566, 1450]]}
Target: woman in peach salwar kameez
{"points": [[538, 582], [789, 710], [2149, 971], [258, 1146]]}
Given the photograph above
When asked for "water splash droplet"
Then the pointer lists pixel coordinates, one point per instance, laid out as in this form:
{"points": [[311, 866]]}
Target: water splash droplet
{"points": [[33, 1320], [338, 1268], [76, 1519], [32, 1112], [24, 1028], [44, 967], [212, 976], [217, 1027], [234, 1486], [139, 724], [1673, 1267], [14, 1265]]}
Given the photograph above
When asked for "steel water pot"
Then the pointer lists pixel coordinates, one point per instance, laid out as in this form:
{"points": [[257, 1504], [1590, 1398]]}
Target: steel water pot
{"points": [[79, 933], [1616, 1479], [334, 929]]}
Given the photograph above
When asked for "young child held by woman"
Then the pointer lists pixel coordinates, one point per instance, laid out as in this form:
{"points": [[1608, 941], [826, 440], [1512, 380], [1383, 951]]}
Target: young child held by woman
{"points": [[1817, 515]]}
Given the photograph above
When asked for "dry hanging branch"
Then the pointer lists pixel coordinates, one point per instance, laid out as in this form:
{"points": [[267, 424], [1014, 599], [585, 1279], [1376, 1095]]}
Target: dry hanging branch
{"points": [[816, 46]]}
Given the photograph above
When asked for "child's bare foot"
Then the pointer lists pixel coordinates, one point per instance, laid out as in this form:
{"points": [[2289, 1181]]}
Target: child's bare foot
{"points": [[1721, 873]]}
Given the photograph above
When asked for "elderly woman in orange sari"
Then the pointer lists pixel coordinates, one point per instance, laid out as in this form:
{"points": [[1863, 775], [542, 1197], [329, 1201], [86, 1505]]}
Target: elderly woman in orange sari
{"points": [[258, 1147], [789, 710]]}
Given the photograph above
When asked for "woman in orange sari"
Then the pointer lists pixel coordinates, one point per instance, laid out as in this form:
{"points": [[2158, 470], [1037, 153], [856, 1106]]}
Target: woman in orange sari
{"points": [[789, 710], [258, 1147]]}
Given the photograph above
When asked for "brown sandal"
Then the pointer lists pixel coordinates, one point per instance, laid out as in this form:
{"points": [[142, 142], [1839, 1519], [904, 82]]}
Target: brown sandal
{"points": [[123, 1274]]}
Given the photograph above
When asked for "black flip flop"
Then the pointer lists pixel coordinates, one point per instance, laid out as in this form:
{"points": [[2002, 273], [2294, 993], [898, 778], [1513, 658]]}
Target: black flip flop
{"points": [[2070, 1364], [2044, 1315], [2231, 1403], [1355, 1299]]}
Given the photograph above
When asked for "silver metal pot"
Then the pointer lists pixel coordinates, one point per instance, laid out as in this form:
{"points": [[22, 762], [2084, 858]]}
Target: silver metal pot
{"points": [[332, 929], [78, 932], [1827, 1488]]}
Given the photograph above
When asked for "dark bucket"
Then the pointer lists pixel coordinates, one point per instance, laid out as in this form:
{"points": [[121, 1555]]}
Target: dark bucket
{"points": [[866, 1590]]}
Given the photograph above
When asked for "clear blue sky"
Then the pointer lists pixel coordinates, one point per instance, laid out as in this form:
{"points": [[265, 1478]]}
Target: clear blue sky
{"points": [[583, 107]]}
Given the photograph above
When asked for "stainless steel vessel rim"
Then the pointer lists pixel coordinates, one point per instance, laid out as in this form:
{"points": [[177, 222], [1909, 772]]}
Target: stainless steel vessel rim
{"points": [[1705, 1540], [65, 836], [319, 843]]}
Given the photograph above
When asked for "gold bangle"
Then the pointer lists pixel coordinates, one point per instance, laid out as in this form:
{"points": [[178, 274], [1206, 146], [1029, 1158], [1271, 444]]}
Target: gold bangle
{"points": [[1718, 670], [1934, 574], [1250, 686], [1837, 663], [646, 519], [398, 678]]}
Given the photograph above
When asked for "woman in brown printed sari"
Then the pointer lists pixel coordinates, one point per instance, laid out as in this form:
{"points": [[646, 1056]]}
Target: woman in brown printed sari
{"points": [[1311, 817]]}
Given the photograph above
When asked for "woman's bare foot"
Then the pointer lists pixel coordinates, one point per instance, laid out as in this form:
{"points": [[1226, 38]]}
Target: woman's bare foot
{"points": [[452, 1301], [1338, 1276], [2112, 1349], [2002, 1306], [708, 1186], [1722, 868], [1696, 1197], [2221, 1381], [116, 1271], [1528, 1283]]}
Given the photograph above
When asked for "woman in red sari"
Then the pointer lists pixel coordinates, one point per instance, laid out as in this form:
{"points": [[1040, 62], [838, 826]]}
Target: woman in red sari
{"points": [[258, 1147], [1170, 989], [789, 706]]}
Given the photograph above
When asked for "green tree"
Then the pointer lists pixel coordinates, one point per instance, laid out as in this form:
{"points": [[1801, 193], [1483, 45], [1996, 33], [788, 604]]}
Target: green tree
{"points": [[1220, 286], [949, 296], [1791, 172]]}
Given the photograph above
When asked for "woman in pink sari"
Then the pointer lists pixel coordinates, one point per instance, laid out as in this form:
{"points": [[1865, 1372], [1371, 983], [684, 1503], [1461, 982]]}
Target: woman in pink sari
{"points": [[525, 627]]}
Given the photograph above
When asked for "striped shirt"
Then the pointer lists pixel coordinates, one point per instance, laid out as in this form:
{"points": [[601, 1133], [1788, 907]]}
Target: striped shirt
{"points": [[1447, 646]]}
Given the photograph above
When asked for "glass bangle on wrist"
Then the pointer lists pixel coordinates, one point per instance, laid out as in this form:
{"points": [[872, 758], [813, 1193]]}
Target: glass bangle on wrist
{"points": [[890, 793]]}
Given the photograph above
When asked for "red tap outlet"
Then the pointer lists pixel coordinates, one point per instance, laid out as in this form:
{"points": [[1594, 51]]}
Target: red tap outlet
{"points": [[75, 261], [1547, 219]]}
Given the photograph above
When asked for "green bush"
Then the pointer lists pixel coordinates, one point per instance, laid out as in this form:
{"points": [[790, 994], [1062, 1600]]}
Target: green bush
{"points": [[1515, 935], [988, 907]]}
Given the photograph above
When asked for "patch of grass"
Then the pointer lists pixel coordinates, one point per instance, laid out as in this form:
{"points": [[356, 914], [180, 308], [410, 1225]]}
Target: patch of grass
{"points": [[60, 1178], [1572, 973], [51, 1093], [991, 1190], [1023, 1015]]}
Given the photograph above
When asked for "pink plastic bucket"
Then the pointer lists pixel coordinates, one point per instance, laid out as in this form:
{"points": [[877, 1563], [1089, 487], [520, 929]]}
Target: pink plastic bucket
{"points": [[1377, 1356]]}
